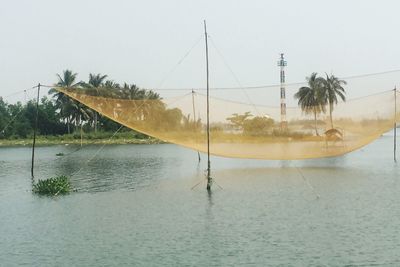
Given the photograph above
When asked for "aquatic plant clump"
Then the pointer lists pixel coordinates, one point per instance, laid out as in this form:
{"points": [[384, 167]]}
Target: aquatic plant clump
{"points": [[59, 185]]}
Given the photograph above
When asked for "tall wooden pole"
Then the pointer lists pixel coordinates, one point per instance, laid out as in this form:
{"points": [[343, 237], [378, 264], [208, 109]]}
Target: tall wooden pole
{"points": [[35, 130], [195, 122], [395, 125], [209, 179]]}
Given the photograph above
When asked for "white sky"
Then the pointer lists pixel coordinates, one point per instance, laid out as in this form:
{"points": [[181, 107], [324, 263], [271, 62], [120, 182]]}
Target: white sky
{"points": [[141, 41]]}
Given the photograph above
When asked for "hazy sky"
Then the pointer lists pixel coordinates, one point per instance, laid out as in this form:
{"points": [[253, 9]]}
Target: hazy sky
{"points": [[141, 41]]}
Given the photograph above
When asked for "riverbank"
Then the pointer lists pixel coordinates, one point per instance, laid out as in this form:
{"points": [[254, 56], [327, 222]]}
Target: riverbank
{"points": [[87, 139]]}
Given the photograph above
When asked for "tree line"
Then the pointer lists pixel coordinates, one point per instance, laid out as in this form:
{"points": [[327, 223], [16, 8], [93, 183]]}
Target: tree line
{"points": [[58, 114]]}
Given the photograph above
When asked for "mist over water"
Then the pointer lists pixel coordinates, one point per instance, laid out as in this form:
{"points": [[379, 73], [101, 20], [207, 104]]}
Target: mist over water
{"points": [[135, 205]]}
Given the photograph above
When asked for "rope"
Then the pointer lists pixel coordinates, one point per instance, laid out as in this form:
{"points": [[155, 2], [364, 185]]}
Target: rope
{"points": [[229, 88], [18, 113], [72, 152], [289, 107], [179, 62], [205, 179], [235, 77], [253, 87], [101, 148], [308, 183], [96, 153], [19, 92], [239, 102], [276, 85], [11, 121]]}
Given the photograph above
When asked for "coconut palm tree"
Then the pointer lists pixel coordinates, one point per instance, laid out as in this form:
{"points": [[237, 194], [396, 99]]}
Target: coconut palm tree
{"points": [[95, 82], [66, 105], [311, 97], [150, 94], [111, 84], [132, 92], [333, 88], [113, 89], [68, 79]]}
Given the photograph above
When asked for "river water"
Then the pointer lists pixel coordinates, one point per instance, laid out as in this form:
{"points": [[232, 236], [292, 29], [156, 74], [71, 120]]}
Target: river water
{"points": [[134, 206]]}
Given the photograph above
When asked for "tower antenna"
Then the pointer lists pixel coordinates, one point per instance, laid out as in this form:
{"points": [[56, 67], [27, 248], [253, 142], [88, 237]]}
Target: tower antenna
{"points": [[282, 64]]}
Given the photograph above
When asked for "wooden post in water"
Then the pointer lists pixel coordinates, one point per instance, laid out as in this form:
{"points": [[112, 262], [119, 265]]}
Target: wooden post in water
{"points": [[80, 120], [35, 130], [194, 120], [209, 179], [395, 125]]}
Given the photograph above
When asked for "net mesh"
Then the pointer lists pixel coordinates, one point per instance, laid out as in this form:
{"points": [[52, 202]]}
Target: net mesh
{"points": [[243, 130]]}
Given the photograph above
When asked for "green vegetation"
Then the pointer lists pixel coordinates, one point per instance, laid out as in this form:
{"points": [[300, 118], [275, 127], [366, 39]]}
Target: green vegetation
{"points": [[252, 125], [262, 129], [60, 116], [333, 87], [59, 185], [319, 94], [258, 126], [65, 120], [238, 120]]}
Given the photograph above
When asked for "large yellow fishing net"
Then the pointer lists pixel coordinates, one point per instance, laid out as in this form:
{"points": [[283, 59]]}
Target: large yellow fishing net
{"points": [[246, 130]]}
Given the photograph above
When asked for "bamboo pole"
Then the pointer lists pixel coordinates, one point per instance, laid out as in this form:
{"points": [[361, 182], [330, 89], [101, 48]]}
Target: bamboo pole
{"points": [[194, 120], [35, 130], [209, 179]]}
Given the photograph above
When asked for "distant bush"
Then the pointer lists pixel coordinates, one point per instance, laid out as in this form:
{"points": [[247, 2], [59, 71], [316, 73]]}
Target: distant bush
{"points": [[257, 126]]}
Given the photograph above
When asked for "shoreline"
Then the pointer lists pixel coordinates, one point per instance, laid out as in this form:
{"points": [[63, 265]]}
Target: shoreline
{"points": [[59, 141]]}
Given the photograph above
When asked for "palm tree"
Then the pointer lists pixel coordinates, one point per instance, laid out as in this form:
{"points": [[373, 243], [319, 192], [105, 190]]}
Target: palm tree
{"points": [[311, 97], [113, 89], [132, 92], [65, 104], [111, 84], [95, 82], [150, 94], [333, 87]]}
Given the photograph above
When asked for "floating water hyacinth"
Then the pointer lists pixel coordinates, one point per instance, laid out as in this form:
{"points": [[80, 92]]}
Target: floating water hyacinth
{"points": [[59, 185]]}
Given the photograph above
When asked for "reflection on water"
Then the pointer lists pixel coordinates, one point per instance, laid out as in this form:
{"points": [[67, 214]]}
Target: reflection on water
{"points": [[135, 206]]}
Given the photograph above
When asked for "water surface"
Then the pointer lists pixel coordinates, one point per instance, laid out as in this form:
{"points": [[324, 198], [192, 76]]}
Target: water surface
{"points": [[135, 206]]}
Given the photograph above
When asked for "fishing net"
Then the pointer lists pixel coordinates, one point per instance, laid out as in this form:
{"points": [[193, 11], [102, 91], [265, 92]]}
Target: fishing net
{"points": [[247, 130]]}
